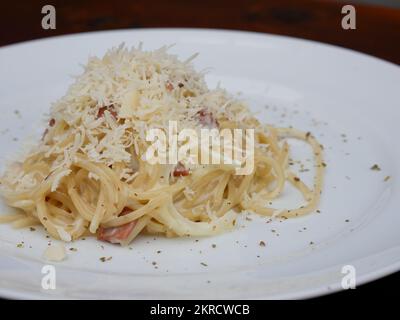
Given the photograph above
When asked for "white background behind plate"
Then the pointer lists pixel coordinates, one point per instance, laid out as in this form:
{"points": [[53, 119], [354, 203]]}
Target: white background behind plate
{"points": [[323, 89]]}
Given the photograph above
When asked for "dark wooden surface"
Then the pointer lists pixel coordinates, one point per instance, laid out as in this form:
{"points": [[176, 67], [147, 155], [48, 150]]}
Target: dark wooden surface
{"points": [[377, 33]]}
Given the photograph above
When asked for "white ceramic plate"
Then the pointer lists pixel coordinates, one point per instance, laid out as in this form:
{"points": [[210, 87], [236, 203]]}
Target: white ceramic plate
{"points": [[350, 101]]}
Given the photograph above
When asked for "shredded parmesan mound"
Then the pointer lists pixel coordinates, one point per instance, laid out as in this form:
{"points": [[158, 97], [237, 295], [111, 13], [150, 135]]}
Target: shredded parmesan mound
{"points": [[106, 112]]}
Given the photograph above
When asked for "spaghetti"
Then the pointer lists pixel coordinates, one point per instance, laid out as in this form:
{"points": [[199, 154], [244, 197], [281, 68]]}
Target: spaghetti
{"points": [[88, 174]]}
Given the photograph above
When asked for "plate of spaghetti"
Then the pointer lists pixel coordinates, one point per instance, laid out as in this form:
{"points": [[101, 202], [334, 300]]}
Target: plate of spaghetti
{"points": [[178, 163]]}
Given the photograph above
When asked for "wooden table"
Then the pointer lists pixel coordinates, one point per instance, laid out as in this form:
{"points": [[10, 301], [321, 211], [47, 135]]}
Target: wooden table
{"points": [[377, 33]]}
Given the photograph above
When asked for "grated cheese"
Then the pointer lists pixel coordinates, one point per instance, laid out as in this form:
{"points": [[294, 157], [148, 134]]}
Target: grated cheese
{"points": [[138, 90], [55, 252]]}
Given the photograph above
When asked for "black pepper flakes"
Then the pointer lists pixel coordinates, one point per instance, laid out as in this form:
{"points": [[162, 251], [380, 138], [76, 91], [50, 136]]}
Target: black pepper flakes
{"points": [[104, 259], [375, 167]]}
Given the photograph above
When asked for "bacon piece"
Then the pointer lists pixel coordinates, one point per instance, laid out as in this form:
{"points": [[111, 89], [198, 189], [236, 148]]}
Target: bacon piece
{"points": [[52, 122], [180, 170], [117, 234], [207, 119], [169, 86], [110, 109]]}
